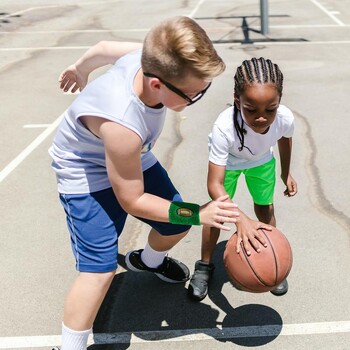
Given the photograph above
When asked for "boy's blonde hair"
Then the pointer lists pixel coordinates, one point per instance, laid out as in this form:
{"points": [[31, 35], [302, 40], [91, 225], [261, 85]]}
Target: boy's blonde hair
{"points": [[177, 47]]}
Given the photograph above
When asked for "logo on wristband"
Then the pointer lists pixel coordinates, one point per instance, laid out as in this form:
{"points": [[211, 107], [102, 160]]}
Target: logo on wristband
{"points": [[184, 212]]}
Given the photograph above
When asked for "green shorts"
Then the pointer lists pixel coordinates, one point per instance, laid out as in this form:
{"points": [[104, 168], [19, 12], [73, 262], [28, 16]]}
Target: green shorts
{"points": [[260, 181]]}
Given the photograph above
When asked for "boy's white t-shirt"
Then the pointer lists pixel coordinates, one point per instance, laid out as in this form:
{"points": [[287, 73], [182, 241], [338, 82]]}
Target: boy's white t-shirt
{"points": [[224, 142], [78, 155]]}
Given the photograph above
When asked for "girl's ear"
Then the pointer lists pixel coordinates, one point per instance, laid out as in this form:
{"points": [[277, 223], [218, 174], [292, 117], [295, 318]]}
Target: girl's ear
{"points": [[236, 101], [280, 97]]}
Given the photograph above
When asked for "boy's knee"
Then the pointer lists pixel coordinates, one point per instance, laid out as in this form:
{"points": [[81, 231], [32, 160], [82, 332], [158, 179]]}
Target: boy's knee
{"points": [[101, 279]]}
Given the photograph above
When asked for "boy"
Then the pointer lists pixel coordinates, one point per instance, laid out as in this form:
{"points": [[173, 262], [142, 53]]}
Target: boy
{"points": [[105, 168]]}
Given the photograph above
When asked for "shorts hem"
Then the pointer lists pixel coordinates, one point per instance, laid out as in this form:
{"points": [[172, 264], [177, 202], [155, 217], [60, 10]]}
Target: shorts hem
{"points": [[96, 269]]}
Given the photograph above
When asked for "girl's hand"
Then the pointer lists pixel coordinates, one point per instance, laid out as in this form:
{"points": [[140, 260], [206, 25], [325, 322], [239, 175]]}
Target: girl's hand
{"points": [[72, 79], [216, 213], [292, 187], [249, 234]]}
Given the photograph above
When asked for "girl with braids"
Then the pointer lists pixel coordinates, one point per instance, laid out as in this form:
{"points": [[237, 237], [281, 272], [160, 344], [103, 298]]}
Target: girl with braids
{"points": [[242, 142]]}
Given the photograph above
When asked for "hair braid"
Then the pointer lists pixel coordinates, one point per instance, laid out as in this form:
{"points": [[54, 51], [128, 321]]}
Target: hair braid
{"points": [[254, 71]]}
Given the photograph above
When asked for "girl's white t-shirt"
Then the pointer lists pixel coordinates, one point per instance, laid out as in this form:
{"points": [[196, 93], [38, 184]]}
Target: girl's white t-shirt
{"points": [[224, 142]]}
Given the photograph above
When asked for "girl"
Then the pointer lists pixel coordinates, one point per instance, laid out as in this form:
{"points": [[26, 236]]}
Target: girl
{"points": [[241, 142]]}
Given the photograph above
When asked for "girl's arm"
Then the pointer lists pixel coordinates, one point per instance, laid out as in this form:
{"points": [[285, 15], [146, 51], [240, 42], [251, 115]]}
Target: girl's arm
{"points": [[76, 75], [247, 229], [285, 150]]}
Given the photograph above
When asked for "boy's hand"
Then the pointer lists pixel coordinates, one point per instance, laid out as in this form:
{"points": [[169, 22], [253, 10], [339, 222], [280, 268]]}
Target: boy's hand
{"points": [[292, 187], [218, 212], [248, 232], [72, 79]]}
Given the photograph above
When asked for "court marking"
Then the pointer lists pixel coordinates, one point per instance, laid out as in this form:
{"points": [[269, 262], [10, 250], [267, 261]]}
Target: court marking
{"points": [[183, 335], [328, 13], [36, 126], [58, 6], [172, 335], [28, 150], [145, 30], [267, 43]]}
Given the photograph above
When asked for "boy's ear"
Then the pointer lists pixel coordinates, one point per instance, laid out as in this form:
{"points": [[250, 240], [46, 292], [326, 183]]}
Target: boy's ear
{"points": [[155, 84]]}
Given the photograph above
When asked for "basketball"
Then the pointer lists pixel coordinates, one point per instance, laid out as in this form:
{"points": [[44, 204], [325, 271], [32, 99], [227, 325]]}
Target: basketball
{"points": [[259, 272]]}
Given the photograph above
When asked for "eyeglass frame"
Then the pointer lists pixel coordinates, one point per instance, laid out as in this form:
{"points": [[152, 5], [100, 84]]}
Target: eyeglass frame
{"points": [[177, 91]]}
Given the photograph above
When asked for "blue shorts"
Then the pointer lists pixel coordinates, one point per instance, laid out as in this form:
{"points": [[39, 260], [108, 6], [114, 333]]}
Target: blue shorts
{"points": [[95, 221]]}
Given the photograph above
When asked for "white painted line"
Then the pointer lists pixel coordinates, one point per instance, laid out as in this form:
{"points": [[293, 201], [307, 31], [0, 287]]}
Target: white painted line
{"points": [[266, 43], [78, 31], [28, 150], [184, 335], [44, 48], [145, 30], [34, 126], [328, 13], [289, 43], [59, 6], [199, 4]]}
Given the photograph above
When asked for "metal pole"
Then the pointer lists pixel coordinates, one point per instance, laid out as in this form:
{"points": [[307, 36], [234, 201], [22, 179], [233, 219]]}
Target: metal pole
{"points": [[264, 17]]}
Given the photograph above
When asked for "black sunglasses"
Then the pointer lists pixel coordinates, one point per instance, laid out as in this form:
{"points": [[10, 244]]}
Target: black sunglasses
{"points": [[177, 91]]}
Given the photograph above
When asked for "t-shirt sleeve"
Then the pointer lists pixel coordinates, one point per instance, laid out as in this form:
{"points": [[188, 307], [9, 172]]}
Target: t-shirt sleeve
{"points": [[218, 146], [288, 122]]}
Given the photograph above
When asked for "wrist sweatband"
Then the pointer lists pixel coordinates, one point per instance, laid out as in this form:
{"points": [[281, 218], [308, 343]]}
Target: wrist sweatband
{"points": [[184, 213]]}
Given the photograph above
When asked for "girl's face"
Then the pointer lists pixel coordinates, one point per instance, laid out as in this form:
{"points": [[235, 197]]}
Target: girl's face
{"points": [[258, 105]]}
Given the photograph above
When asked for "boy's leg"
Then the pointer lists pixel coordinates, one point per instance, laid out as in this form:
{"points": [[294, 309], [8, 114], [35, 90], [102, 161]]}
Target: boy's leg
{"points": [[95, 221], [161, 242], [84, 299], [81, 306], [163, 235]]}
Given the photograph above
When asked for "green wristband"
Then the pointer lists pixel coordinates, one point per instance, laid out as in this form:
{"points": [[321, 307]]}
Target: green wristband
{"points": [[183, 213]]}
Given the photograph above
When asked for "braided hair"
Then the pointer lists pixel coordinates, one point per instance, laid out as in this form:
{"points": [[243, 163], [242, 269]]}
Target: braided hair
{"points": [[254, 71]]}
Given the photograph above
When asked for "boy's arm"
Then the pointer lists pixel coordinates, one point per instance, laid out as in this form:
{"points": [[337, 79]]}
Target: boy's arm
{"points": [[247, 229], [285, 151], [124, 168], [103, 53]]}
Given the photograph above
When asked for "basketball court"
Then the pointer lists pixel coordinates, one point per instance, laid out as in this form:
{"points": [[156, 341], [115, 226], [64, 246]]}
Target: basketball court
{"points": [[310, 40]]}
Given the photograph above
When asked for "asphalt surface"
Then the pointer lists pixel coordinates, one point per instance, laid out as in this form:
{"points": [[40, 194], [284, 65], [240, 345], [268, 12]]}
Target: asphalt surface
{"points": [[310, 40]]}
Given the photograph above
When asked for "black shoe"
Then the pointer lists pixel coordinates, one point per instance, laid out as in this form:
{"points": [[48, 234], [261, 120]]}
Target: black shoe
{"points": [[281, 289], [171, 270], [198, 287]]}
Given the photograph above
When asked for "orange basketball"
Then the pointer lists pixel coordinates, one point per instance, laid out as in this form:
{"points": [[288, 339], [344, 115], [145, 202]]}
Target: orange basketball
{"points": [[259, 272]]}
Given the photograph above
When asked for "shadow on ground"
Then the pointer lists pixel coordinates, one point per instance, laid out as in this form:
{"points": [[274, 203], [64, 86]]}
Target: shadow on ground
{"points": [[141, 304]]}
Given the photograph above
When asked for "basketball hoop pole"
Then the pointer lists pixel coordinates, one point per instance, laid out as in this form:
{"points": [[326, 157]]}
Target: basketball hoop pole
{"points": [[264, 17]]}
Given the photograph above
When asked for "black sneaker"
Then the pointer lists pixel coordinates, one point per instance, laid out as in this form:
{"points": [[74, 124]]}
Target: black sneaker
{"points": [[198, 287], [171, 270], [281, 289]]}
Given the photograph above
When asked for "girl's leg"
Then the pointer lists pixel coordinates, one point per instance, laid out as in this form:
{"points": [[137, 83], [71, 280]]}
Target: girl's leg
{"points": [[265, 214], [198, 287], [210, 236]]}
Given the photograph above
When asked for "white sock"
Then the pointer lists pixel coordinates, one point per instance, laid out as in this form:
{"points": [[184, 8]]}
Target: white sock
{"points": [[151, 257], [74, 340]]}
